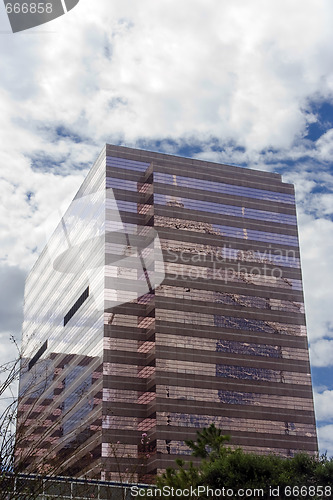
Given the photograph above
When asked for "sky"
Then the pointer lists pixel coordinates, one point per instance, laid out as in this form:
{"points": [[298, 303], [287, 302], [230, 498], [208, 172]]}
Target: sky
{"points": [[242, 83]]}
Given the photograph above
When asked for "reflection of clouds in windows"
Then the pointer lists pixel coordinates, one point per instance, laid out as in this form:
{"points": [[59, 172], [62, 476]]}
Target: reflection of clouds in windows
{"points": [[236, 423], [233, 397], [249, 349], [242, 323], [230, 322], [81, 240], [251, 234], [81, 388], [125, 164], [37, 380], [220, 187], [76, 418], [115, 183], [228, 274], [232, 210], [231, 371], [78, 392], [237, 398], [245, 372], [279, 257], [265, 374], [222, 345], [222, 230], [268, 400]]}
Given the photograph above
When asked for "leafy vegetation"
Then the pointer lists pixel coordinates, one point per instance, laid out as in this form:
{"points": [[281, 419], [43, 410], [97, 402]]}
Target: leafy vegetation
{"points": [[236, 473]]}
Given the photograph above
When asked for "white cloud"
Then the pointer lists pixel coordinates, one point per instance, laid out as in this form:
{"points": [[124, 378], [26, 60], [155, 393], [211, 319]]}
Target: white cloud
{"points": [[324, 405], [168, 69], [325, 439], [24, 222], [325, 146], [316, 243], [321, 353], [11, 299], [21, 218]]}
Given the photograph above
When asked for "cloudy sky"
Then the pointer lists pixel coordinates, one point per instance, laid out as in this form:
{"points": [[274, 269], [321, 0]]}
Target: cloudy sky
{"points": [[244, 83]]}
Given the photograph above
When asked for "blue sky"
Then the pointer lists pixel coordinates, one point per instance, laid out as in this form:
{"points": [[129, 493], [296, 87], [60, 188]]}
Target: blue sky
{"points": [[243, 83]]}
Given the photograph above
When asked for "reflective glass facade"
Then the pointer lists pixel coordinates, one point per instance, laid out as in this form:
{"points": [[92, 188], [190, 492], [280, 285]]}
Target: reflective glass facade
{"points": [[168, 298], [60, 406]]}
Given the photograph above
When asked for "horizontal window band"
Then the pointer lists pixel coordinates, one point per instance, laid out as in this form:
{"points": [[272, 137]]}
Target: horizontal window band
{"points": [[264, 350], [168, 345], [229, 253], [255, 288], [233, 371], [216, 234], [183, 203], [123, 333], [221, 187], [206, 221], [219, 320], [217, 239], [208, 383], [224, 231], [206, 386], [148, 193], [230, 300], [191, 274], [242, 409], [192, 294], [233, 423], [234, 316], [230, 333], [234, 411], [287, 441], [236, 396], [120, 355], [161, 161], [228, 199], [199, 421], [233, 227], [217, 375], [163, 204], [204, 185], [237, 312], [281, 446], [123, 163], [214, 172], [203, 266], [186, 218]]}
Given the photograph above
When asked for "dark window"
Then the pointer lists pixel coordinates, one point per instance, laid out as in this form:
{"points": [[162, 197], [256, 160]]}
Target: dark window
{"points": [[38, 354], [76, 306]]}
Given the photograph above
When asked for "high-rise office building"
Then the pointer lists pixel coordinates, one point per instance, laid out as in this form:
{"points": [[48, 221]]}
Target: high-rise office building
{"points": [[168, 298]]}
